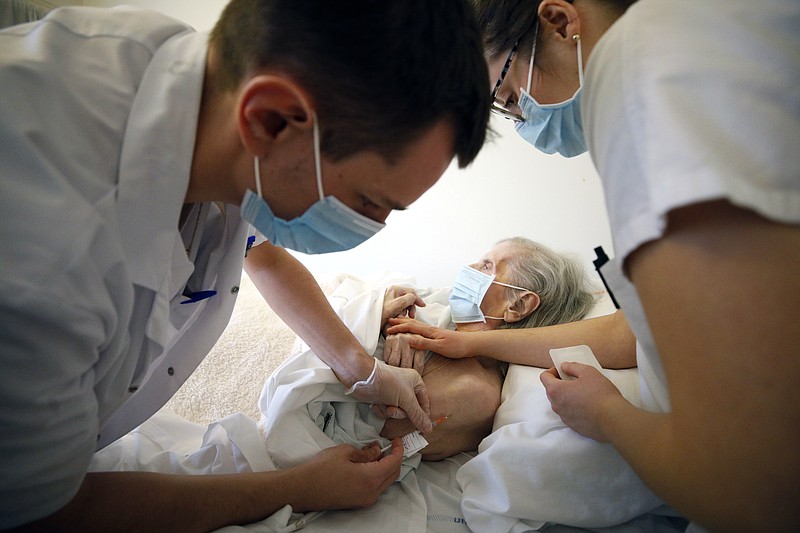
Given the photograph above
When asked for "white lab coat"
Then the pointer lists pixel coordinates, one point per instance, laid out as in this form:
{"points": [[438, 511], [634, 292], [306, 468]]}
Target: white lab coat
{"points": [[99, 113]]}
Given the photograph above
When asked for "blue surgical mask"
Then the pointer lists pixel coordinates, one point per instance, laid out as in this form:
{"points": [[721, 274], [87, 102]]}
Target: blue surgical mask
{"points": [[327, 226], [469, 288], [553, 127]]}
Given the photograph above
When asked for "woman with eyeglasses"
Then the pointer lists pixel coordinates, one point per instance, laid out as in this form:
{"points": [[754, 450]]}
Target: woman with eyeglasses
{"points": [[691, 113]]}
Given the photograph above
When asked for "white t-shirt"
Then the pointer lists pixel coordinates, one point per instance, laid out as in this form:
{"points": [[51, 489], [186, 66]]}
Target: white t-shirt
{"points": [[98, 116], [686, 102]]}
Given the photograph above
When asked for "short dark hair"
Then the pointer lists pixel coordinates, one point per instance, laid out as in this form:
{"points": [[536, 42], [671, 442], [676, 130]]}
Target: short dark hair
{"points": [[381, 72], [504, 22]]}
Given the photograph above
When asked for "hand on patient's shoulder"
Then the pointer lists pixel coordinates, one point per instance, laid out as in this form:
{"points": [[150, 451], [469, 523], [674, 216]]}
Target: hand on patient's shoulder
{"points": [[446, 342], [402, 388]]}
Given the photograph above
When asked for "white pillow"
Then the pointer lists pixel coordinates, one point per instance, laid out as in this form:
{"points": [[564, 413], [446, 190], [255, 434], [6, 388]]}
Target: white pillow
{"points": [[533, 470]]}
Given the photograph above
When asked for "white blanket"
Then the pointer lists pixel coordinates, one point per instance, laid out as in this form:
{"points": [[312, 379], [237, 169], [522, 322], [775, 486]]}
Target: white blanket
{"points": [[304, 410], [294, 405]]}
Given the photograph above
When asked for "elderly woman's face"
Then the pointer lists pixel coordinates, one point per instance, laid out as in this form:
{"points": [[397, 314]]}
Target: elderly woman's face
{"points": [[495, 262]]}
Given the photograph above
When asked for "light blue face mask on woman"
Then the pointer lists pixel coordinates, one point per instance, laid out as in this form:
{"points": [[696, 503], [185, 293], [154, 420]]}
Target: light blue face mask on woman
{"points": [[469, 288], [553, 127], [327, 226]]}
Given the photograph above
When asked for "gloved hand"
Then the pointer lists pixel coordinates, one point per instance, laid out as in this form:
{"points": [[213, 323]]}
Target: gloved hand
{"points": [[390, 388]]}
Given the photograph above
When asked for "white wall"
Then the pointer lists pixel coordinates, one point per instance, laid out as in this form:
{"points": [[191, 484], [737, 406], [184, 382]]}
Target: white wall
{"points": [[511, 189]]}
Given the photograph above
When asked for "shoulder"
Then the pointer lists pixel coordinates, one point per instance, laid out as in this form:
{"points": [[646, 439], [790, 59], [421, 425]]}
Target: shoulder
{"points": [[148, 28], [688, 102]]}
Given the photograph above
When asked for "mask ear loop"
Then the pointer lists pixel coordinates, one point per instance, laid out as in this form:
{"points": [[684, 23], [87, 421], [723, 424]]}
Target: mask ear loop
{"points": [[577, 39], [510, 287], [533, 52], [251, 235], [257, 170], [317, 157]]}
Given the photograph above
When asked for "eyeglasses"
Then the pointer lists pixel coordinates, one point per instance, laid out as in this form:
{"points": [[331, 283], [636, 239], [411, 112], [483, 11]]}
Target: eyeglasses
{"points": [[505, 109]]}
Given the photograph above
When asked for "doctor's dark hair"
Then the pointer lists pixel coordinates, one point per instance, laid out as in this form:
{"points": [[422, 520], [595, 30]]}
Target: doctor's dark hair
{"points": [[505, 22], [561, 282], [380, 72]]}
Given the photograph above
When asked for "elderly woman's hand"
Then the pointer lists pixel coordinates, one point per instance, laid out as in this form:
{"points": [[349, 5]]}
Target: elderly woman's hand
{"points": [[399, 301], [397, 351]]}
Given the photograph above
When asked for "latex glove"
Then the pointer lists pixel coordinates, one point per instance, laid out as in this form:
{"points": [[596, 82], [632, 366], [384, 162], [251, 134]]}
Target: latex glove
{"points": [[397, 392], [397, 351], [399, 301]]}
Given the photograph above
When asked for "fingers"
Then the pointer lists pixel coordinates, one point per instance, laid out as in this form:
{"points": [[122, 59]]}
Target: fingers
{"points": [[404, 325], [401, 300], [406, 301], [419, 412], [392, 411], [422, 344], [550, 373], [390, 464], [391, 353], [367, 454], [419, 361], [397, 351], [578, 370]]}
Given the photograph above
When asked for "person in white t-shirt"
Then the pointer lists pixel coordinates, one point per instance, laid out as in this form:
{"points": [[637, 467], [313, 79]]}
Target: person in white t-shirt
{"points": [[139, 159], [691, 113]]}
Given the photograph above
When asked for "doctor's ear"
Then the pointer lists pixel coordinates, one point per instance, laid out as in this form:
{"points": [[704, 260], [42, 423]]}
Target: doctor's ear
{"points": [[523, 307], [559, 18], [271, 109]]}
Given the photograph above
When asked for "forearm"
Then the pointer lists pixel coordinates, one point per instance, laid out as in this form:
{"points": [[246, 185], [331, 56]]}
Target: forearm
{"points": [[144, 501], [608, 336], [724, 483], [296, 297], [728, 457]]}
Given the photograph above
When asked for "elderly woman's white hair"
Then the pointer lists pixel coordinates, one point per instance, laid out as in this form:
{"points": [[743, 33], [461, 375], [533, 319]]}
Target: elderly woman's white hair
{"points": [[560, 281]]}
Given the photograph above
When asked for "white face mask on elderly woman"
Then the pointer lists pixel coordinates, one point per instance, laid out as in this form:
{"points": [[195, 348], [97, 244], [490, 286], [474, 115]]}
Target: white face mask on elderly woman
{"points": [[469, 288]]}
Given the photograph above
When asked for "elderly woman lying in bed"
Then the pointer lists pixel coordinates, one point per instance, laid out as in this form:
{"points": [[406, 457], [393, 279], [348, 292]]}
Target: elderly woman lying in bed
{"points": [[518, 283]]}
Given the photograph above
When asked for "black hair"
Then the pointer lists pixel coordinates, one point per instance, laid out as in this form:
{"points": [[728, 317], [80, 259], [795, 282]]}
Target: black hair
{"points": [[381, 72], [504, 22]]}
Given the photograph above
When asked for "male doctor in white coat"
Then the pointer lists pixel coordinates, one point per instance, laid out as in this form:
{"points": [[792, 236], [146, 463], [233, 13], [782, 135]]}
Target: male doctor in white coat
{"points": [[139, 160]]}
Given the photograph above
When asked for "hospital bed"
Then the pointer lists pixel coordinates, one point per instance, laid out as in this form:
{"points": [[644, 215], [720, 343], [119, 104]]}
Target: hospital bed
{"points": [[531, 473]]}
